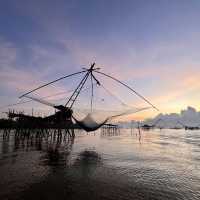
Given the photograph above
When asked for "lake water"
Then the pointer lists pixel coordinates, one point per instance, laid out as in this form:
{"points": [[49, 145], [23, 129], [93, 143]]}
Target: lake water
{"points": [[158, 165]]}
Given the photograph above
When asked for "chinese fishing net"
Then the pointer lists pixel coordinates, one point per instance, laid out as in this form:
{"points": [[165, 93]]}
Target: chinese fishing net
{"points": [[100, 100]]}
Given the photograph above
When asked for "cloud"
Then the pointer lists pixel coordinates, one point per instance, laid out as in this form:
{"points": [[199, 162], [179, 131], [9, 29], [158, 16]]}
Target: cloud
{"points": [[8, 54], [15, 78], [187, 117]]}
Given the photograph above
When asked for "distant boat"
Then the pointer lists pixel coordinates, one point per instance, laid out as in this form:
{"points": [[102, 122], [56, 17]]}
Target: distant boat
{"points": [[147, 126], [186, 127], [192, 128]]}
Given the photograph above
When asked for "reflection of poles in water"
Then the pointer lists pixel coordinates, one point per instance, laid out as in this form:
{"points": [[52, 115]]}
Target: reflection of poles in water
{"points": [[132, 127], [43, 132], [87, 161], [38, 139], [5, 145], [6, 133], [139, 131]]}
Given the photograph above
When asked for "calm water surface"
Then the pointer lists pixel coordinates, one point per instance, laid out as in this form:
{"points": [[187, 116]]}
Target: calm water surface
{"points": [[160, 165]]}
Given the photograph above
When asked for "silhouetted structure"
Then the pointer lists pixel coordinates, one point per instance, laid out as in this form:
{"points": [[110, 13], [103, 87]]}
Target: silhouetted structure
{"points": [[187, 127], [111, 129], [152, 126]]}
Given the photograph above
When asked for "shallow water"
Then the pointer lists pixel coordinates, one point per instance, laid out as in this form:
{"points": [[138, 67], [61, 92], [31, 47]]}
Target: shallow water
{"points": [[158, 165]]}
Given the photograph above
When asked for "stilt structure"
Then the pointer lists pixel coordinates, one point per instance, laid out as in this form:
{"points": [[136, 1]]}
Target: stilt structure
{"points": [[110, 129]]}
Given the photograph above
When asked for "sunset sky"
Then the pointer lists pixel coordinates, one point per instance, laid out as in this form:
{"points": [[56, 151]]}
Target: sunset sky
{"points": [[153, 46]]}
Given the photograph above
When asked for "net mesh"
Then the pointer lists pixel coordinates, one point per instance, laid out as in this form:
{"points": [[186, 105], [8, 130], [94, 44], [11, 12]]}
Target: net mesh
{"points": [[94, 108], [91, 121]]}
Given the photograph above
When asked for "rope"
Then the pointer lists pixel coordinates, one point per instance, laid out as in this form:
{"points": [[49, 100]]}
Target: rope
{"points": [[108, 91], [92, 92], [139, 95], [51, 83], [45, 97]]}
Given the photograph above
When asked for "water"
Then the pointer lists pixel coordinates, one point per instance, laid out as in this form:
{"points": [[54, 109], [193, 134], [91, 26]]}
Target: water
{"points": [[160, 165]]}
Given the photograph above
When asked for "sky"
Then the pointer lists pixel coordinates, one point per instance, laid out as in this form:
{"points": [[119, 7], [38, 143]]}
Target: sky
{"points": [[151, 45]]}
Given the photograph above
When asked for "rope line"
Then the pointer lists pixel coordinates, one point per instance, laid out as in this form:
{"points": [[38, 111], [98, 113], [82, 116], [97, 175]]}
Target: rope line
{"points": [[46, 84], [139, 95]]}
